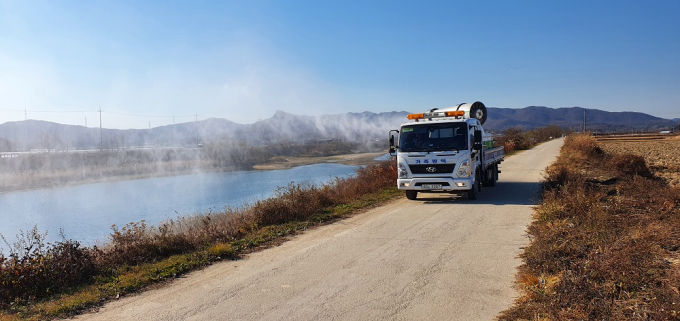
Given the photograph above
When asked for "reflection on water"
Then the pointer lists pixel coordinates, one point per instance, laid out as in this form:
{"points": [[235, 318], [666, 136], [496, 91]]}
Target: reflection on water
{"points": [[383, 157], [86, 212]]}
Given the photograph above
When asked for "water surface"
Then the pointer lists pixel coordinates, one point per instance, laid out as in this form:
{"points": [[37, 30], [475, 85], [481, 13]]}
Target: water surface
{"points": [[86, 212]]}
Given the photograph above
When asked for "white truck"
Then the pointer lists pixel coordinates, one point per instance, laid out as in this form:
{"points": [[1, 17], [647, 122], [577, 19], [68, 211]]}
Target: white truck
{"points": [[446, 151]]}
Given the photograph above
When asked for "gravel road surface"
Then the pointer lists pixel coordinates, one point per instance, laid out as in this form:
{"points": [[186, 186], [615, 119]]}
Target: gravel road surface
{"points": [[437, 258]]}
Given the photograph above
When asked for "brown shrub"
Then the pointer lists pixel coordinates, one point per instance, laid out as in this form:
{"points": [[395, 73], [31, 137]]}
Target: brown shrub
{"points": [[298, 202], [69, 264], [134, 243], [294, 202], [509, 147], [582, 144], [559, 175], [629, 164], [35, 270]]}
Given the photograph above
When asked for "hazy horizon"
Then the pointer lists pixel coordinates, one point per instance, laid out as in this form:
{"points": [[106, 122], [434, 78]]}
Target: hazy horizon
{"points": [[165, 61]]}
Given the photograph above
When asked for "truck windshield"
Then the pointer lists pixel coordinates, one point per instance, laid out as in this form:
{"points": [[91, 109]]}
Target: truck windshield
{"points": [[433, 137]]}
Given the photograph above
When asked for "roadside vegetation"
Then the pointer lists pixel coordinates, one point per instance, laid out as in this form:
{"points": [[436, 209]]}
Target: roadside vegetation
{"points": [[604, 241], [41, 280], [516, 138]]}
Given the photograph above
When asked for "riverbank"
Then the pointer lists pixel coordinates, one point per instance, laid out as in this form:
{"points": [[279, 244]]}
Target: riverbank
{"points": [[86, 212], [345, 159], [41, 180], [72, 277]]}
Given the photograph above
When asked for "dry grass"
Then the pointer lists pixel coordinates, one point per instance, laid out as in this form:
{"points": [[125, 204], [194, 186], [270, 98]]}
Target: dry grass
{"points": [[604, 241]]}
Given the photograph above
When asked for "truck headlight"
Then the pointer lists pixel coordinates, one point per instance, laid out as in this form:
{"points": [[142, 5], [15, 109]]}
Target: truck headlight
{"points": [[464, 169], [402, 171]]}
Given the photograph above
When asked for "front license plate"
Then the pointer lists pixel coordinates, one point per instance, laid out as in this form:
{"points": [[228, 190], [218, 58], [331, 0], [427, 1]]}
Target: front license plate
{"points": [[432, 186]]}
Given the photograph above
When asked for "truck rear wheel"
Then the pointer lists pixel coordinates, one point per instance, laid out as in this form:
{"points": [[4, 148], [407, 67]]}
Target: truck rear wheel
{"points": [[487, 178], [493, 176], [412, 195]]}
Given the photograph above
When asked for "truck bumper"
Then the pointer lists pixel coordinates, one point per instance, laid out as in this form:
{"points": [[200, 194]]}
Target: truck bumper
{"points": [[448, 184]]}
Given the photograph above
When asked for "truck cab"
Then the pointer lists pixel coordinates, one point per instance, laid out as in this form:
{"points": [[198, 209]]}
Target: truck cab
{"points": [[445, 151]]}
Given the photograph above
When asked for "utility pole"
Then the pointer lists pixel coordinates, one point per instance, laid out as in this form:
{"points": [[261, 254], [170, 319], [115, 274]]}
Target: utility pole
{"points": [[584, 120], [149, 125], [196, 129], [25, 138], [85, 121], [101, 146], [25, 114]]}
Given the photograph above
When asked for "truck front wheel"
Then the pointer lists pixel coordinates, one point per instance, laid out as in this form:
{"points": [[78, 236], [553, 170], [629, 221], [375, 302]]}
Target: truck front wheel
{"points": [[474, 191], [411, 195]]}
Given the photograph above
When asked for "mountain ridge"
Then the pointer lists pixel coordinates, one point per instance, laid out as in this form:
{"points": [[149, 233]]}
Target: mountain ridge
{"points": [[284, 126]]}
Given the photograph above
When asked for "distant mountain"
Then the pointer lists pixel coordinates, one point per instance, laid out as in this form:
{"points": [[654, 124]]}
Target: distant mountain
{"points": [[38, 134], [282, 126], [572, 117]]}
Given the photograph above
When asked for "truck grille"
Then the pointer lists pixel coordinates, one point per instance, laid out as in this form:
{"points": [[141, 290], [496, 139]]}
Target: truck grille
{"points": [[432, 168]]}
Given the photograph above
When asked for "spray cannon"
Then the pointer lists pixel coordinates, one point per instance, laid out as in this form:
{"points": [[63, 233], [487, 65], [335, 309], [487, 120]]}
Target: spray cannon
{"points": [[475, 110]]}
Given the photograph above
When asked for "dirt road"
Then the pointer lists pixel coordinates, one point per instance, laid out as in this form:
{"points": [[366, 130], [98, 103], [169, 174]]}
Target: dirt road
{"points": [[437, 258]]}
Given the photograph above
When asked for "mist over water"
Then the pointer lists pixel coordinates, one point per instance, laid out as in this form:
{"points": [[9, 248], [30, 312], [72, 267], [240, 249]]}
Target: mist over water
{"points": [[86, 212]]}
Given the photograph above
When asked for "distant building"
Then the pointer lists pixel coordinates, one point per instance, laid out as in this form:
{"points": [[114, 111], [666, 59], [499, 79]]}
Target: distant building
{"points": [[666, 132]]}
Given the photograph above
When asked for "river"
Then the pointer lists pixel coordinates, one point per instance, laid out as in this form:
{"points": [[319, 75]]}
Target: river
{"points": [[85, 213]]}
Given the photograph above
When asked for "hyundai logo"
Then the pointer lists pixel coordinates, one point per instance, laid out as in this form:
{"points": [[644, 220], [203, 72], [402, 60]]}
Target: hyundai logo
{"points": [[431, 169]]}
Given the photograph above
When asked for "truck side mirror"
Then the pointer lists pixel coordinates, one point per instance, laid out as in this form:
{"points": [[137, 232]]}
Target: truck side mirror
{"points": [[477, 144], [393, 147]]}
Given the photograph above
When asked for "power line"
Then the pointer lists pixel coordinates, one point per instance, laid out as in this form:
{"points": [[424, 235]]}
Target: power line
{"points": [[25, 111], [101, 115], [62, 111], [148, 116], [50, 111], [3, 109]]}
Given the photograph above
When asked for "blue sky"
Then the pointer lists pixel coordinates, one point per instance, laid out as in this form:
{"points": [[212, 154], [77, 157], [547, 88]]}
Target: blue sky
{"points": [[142, 62]]}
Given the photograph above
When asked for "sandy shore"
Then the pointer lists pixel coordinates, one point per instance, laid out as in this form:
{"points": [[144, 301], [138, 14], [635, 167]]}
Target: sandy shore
{"points": [[346, 159]]}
